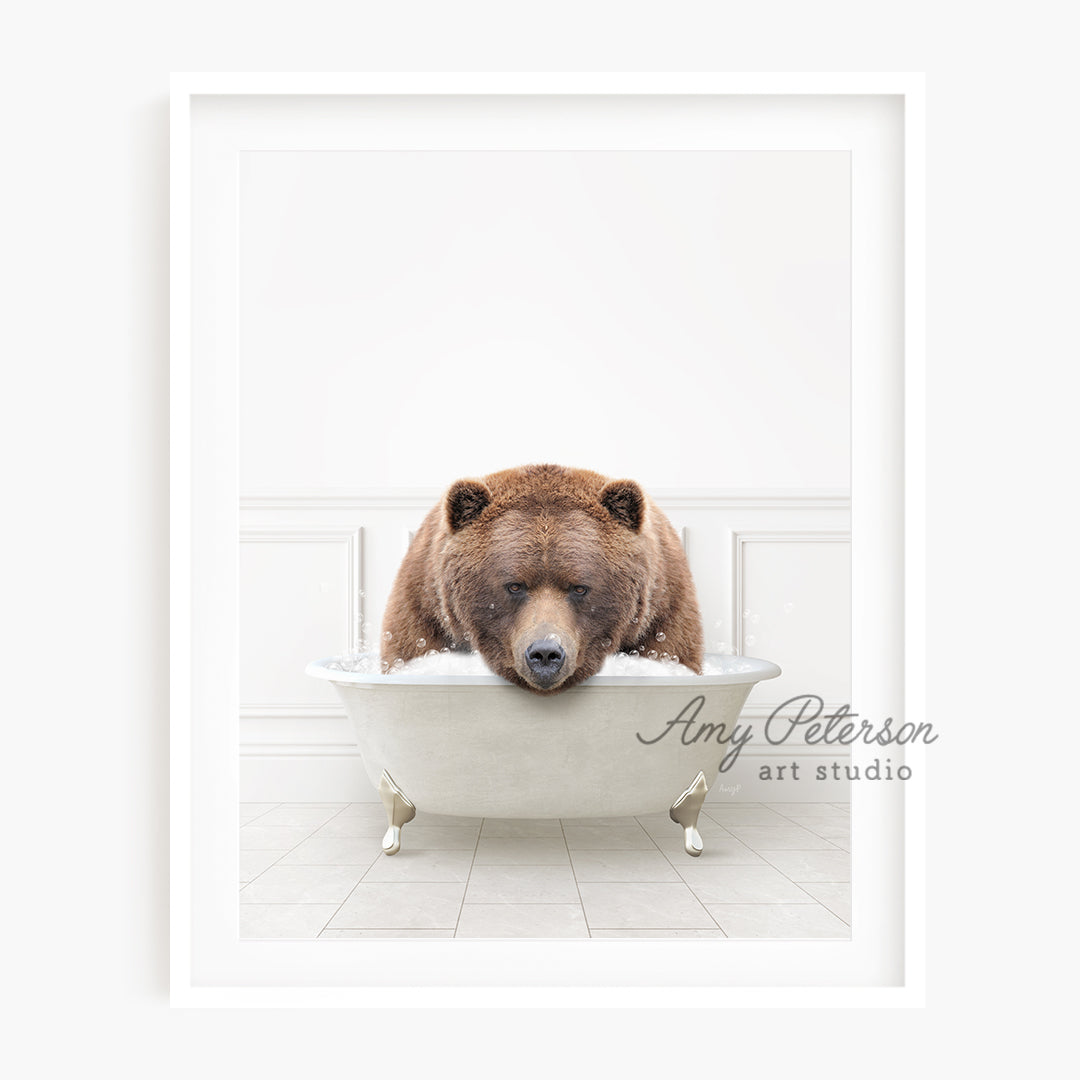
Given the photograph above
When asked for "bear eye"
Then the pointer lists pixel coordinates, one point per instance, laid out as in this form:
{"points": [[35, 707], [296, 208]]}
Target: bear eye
{"points": [[579, 590], [515, 587]]}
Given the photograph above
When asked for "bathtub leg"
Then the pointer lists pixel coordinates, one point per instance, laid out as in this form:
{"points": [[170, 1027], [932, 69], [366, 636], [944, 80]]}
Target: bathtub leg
{"points": [[684, 811], [398, 811]]}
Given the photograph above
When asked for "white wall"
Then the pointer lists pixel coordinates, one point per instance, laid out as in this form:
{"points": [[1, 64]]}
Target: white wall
{"points": [[85, 442], [409, 316]]}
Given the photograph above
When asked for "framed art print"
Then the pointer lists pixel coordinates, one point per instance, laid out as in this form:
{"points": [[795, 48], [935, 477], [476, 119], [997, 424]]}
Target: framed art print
{"points": [[412, 312]]}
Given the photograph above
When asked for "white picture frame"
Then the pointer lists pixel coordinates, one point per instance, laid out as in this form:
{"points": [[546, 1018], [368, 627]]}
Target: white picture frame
{"points": [[883, 962]]}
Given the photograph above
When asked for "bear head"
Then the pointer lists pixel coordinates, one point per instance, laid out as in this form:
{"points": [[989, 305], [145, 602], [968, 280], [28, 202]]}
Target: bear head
{"points": [[545, 571]]}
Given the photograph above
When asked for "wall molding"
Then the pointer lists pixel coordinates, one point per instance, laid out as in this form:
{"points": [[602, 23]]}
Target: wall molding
{"points": [[300, 749], [352, 539], [353, 542], [300, 711], [740, 538], [397, 498]]}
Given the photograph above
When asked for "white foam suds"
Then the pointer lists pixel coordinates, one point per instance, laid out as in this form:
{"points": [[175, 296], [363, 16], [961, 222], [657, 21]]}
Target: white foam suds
{"points": [[625, 664], [446, 663], [461, 663]]}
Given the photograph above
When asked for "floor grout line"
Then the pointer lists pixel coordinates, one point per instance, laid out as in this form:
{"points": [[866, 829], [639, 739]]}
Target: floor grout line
{"points": [[522, 903], [573, 874], [669, 858], [701, 903], [280, 857], [333, 914], [468, 877], [276, 806]]}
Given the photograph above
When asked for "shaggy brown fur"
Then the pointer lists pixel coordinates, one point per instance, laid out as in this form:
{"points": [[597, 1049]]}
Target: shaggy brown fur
{"points": [[501, 563]]}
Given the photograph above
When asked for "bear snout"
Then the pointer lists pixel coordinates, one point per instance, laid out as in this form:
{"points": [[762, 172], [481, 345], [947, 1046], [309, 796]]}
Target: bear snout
{"points": [[545, 659]]}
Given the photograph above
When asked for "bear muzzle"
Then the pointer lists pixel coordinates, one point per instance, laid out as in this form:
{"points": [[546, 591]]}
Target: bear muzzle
{"points": [[544, 656], [545, 659]]}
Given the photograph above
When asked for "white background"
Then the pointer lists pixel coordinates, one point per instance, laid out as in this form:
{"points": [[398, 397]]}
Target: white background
{"points": [[682, 318], [85, 413]]}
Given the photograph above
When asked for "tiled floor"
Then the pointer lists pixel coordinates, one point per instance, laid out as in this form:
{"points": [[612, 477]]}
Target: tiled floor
{"points": [[777, 870]]}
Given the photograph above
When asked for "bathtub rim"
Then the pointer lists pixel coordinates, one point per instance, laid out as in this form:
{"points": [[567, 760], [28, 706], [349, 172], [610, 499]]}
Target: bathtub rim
{"points": [[760, 671]]}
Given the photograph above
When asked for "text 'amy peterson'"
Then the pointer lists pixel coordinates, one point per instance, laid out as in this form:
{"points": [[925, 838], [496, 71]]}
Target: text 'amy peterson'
{"points": [[836, 729]]}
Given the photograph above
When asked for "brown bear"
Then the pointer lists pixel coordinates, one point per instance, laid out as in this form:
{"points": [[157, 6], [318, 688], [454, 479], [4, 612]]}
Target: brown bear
{"points": [[544, 571]]}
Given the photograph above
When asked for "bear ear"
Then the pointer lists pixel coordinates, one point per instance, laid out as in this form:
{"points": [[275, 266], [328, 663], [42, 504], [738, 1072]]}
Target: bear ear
{"points": [[625, 502], [465, 501]]}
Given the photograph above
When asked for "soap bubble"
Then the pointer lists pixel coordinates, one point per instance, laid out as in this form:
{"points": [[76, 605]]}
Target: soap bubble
{"points": [[652, 654], [636, 666], [361, 663], [421, 642], [387, 636], [445, 664], [660, 636]]}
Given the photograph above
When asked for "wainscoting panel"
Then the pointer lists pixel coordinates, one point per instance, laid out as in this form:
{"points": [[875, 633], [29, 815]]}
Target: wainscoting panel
{"points": [[772, 571], [792, 605], [300, 598]]}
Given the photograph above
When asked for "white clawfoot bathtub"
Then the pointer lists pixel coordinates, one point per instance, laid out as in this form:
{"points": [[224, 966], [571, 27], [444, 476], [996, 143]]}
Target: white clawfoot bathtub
{"points": [[473, 745]]}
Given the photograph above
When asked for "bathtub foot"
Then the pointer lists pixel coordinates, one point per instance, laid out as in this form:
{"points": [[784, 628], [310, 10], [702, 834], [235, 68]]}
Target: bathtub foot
{"points": [[398, 811], [684, 811]]}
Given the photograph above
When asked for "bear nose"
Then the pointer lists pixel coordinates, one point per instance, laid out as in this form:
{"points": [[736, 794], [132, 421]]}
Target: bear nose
{"points": [[545, 657]]}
